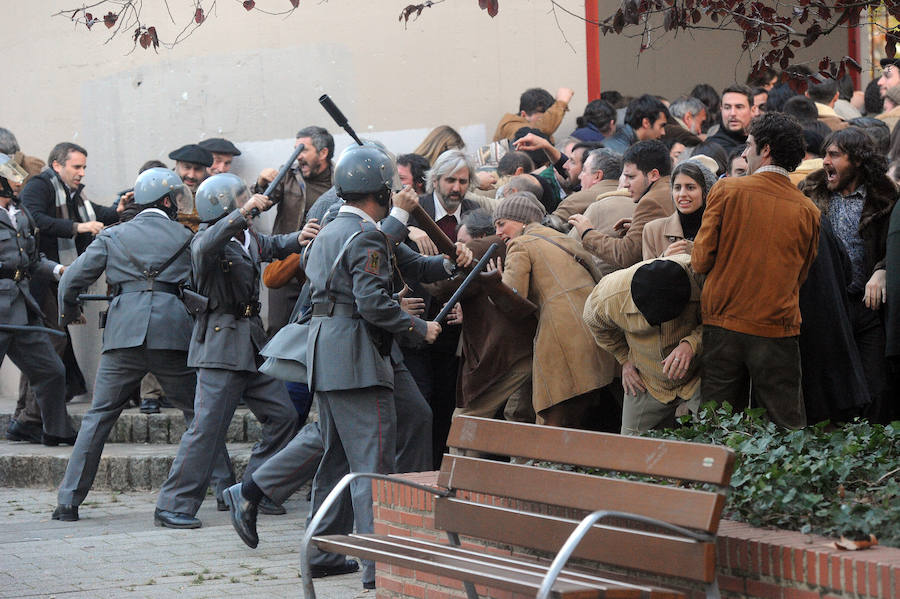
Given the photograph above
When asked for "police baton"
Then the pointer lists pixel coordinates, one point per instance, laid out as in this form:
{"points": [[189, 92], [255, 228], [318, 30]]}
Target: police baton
{"points": [[281, 173], [20, 328], [482, 264], [424, 220]]}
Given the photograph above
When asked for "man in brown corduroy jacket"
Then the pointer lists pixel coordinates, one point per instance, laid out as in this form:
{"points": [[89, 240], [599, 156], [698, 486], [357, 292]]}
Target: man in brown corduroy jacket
{"points": [[758, 239]]}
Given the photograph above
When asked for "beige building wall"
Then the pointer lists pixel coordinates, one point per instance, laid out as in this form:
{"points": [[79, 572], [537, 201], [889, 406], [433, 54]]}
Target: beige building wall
{"points": [[256, 79]]}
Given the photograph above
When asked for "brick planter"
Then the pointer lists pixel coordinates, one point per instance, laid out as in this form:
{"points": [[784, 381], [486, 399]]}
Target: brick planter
{"points": [[752, 562]]}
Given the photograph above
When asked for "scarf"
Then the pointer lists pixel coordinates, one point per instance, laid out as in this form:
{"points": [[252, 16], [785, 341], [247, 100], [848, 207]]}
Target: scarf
{"points": [[66, 245], [690, 223]]}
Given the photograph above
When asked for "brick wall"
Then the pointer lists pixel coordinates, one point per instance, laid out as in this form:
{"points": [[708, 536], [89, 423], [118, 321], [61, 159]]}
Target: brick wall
{"points": [[752, 562]]}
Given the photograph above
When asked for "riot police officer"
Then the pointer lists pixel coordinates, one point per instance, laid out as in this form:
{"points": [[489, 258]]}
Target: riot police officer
{"points": [[28, 347], [225, 343], [350, 267], [148, 267]]}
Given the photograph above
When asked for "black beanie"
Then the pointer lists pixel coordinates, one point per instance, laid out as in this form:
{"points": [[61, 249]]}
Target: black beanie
{"points": [[661, 290]]}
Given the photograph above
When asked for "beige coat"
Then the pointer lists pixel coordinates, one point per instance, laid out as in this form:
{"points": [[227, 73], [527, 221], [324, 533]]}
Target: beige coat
{"points": [[890, 117], [567, 362], [659, 234], [580, 201], [609, 209]]}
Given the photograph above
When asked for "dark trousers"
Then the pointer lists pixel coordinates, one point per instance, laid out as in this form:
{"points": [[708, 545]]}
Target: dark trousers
{"points": [[33, 354], [434, 369], [772, 366], [868, 332]]}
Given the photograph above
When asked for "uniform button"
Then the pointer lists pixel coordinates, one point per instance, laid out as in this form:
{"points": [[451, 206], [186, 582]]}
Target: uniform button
{"points": [[217, 329]]}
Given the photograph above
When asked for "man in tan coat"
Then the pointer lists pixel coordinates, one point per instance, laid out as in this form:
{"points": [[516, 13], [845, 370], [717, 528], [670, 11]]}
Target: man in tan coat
{"points": [[537, 109], [569, 371], [646, 169]]}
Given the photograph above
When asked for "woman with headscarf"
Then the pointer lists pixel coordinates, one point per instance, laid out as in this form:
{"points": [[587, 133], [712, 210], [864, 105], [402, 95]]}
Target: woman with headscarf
{"points": [[569, 371], [674, 234]]}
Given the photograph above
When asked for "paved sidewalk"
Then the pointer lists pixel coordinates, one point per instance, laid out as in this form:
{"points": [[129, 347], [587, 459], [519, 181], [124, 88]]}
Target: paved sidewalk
{"points": [[115, 551]]}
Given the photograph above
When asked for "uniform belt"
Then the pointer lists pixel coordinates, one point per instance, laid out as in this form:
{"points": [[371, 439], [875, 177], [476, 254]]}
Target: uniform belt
{"points": [[149, 285], [16, 274], [335, 309]]}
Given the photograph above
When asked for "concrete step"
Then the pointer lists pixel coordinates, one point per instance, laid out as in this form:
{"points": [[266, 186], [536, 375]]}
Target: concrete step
{"points": [[123, 466], [165, 427]]}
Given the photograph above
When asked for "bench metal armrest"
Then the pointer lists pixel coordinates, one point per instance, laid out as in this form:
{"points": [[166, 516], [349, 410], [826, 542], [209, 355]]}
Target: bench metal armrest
{"points": [[562, 557], [309, 591]]}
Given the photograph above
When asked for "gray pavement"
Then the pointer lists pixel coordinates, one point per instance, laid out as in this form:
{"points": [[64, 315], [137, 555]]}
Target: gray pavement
{"points": [[115, 551]]}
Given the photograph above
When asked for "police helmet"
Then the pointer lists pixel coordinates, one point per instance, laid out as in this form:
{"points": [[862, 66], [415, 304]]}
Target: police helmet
{"points": [[363, 170], [219, 195], [10, 172], [156, 183]]}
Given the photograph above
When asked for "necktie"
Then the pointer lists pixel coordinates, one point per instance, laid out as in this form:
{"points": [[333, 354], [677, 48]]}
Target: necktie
{"points": [[447, 223]]}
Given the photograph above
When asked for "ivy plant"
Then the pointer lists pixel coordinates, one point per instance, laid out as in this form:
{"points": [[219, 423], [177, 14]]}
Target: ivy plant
{"points": [[822, 479]]}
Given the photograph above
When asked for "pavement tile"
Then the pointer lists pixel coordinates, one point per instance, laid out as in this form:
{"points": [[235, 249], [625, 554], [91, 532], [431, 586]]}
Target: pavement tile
{"points": [[115, 551]]}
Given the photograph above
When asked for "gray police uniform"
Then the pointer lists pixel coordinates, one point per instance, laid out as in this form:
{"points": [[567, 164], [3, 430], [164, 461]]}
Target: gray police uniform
{"points": [[351, 372], [147, 330], [293, 466], [31, 351], [225, 348]]}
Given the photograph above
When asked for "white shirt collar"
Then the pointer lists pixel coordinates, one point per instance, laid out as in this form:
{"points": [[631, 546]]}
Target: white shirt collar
{"points": [[11, 210], [245, 242], [156, 210], [358, 212], [440, 212]]}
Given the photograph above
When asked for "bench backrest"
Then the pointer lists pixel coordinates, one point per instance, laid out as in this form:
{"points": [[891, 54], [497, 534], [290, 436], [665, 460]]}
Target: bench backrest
{"points": [[523, 520]]}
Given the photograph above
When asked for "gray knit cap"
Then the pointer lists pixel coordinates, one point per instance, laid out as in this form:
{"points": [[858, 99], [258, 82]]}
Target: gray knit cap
{"points": [[521, 206], [709, 172]]}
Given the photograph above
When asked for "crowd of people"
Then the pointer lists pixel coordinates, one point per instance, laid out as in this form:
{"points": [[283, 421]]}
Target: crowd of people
{"points": [[740, 246]]}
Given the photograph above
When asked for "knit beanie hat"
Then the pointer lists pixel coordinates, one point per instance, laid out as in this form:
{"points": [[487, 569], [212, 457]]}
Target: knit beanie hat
{"points": [[708, 167], [661, 290], [521, 207]]}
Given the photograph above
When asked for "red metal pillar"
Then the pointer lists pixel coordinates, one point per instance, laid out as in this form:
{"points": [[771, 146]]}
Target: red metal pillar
{"points": [[853, 49], [592, 45]]}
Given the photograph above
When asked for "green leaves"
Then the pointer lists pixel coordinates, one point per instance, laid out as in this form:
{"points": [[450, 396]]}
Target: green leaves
{"points": [[821, 479]]}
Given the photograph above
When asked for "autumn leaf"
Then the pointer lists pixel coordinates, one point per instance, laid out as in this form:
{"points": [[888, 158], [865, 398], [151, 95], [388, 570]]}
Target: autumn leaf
{"points": [[198, 16], [491, 6], [249, 4], [88, 20], [295, 3], [110, 19]]}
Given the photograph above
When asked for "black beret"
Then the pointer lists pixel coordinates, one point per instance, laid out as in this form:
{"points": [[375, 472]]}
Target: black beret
{"points": [[661, 290], [219, 145], [890, 62], [192, 153]]}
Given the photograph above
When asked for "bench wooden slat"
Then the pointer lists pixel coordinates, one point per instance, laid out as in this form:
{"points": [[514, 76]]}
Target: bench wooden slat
{"points": [[655, 457], [663, 554], [532, 563], [691, 508], [495, 571]]}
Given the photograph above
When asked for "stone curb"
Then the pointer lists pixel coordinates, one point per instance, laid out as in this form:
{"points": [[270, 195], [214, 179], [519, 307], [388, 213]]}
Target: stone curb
{"points": [[124, 467], [163, 428]]}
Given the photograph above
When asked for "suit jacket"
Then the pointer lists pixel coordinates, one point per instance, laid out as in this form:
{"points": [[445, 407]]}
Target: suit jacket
{"points": [[18, 250], [340, 350], [427, 203], [156, 318], [39, 197], [228, 276]]}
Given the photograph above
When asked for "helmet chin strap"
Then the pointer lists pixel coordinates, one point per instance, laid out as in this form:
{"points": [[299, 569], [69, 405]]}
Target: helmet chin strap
{"points": [[171, 210], [383, 198]]}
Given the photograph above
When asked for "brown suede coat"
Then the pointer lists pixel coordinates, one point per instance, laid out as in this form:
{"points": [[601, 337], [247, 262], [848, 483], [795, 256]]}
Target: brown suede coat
{"points": [[567, 361]]}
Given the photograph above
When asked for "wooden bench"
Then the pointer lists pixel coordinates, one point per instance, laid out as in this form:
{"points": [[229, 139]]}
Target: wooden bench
{"points": [[665, 527]]}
